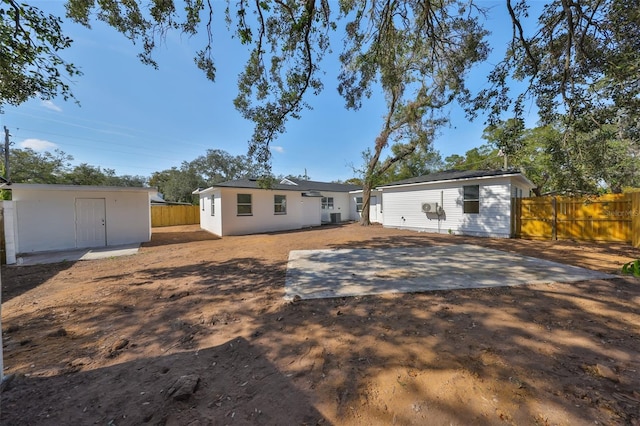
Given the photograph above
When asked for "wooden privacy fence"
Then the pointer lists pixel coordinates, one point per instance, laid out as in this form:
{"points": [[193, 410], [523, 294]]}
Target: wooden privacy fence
{"points": [[611, 217], [174, 215]]}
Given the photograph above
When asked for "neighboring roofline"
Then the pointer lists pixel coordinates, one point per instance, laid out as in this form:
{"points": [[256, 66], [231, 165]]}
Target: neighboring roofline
{"points": [[295, 185], [86, 188], [286, 181], [515, 174], [356, 191], [203, 190]]}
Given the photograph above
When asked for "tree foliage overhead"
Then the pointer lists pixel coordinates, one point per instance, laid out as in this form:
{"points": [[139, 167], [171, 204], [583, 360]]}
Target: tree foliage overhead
{"points": [[418, 53], [579, 61], [581, 57], [30, 64], [286, 41]]}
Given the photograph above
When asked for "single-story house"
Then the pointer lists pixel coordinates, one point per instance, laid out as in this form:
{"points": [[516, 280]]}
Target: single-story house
{"points": [[375, 205], [240, 207], [474, 202], [43, 217]]}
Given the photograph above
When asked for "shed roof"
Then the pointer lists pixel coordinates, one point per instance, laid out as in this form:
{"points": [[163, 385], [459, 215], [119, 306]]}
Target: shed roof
{"points": [[456, 175], [93, 188]]}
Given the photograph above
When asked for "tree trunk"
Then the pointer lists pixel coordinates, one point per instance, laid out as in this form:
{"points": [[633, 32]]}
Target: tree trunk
{"points": [[366, 202]]}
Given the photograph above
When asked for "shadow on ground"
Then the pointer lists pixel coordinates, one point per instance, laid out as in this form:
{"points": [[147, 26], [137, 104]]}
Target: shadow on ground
{"points": [[230, 383]]}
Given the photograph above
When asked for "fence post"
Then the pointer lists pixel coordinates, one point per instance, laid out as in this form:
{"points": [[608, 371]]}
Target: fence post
{"points": [[635, 219], [554, 223]]}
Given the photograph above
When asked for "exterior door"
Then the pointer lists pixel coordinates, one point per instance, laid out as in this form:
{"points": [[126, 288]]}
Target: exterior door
{"points": [[90, 222], [373, 208]]}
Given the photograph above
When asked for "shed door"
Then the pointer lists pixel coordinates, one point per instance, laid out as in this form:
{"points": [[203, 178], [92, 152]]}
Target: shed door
{"points": [[373, 208], [90, 222]]}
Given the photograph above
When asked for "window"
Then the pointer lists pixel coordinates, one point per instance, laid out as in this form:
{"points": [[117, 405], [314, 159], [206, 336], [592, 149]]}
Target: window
{"points": [[327, 203], [279, 204], [358, 204], [213, 206], [471, 199], [244, 205]]}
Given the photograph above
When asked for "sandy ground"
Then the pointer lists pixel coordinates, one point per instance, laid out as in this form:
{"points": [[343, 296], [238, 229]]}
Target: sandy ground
{"points": [[194, 330]]}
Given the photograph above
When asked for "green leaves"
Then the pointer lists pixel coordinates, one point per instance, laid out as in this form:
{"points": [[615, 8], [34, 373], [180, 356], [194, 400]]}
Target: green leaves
{"points": [[30, 65], [418, 54], [289, 39], [27, 165], [632, 268]]}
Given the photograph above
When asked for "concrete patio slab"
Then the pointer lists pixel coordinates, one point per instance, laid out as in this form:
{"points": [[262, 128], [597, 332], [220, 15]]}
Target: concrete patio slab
{"points": [[315, 274], [78, 254]]}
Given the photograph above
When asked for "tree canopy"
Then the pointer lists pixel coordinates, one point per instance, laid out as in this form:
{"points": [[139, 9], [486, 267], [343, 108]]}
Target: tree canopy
{"points": [[30, 62], [177, 184], [579, 62], [29, 166]]}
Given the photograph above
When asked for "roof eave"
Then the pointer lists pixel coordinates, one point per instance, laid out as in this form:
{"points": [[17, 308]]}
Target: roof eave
{"points": [[432, 182]]}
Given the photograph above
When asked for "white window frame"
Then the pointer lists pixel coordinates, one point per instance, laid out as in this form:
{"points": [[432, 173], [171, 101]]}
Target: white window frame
{"points": [[327, 203], [282, 204], [469, 201], [244, 204]]}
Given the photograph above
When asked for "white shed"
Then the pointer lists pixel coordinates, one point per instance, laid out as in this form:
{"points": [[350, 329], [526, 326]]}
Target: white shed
{"points": [[241, 207], [475, 202], [44, 217]]}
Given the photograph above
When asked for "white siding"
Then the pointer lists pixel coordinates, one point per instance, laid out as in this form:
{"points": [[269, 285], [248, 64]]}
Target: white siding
{"points": [[375, 210], [8, 212], [311, 211], [209, 222], [403, 208], [45, 218], [341, 202], [263, 218]]}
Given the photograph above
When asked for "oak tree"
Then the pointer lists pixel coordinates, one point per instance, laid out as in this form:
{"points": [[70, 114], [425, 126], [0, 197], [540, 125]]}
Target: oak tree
{"points": [[30, 61]]}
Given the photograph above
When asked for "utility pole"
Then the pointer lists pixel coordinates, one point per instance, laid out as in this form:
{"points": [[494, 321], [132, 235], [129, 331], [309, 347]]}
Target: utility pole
{"points": [[7, 176]]}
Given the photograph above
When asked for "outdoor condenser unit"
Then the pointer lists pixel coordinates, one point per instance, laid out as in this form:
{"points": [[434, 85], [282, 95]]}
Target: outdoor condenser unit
{"points": [[431, 208]]}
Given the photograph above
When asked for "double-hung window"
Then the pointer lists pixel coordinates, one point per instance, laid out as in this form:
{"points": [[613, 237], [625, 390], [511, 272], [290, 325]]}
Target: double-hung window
{"points": [[359, 204], [244, 205], [327, 203], [471, 199], [213, 206], [279, 204]]}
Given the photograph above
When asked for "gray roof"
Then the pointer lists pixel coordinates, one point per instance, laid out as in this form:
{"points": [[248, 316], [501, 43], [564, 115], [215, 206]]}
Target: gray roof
{"points": [[300, 185], [59, 187], [455, 175]]}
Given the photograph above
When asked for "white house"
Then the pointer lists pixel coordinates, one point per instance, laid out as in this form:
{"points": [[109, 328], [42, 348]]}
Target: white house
{"points": [[375, 205], [457, 202], [242, 207], [44, 217]]}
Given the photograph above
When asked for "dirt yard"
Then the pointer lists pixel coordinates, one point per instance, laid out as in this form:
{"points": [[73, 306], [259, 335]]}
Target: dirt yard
{"points": [[194, 330]]}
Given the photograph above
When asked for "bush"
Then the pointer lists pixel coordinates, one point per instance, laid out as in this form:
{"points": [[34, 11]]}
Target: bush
{"points": [[632, 268]]}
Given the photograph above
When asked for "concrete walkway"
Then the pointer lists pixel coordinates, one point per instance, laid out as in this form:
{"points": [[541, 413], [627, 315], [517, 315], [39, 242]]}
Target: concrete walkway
{"points": [[315, 274], [78, 254]]}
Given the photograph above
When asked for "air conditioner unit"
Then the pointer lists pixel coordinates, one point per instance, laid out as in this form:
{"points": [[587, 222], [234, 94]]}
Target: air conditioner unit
{"points": [[429, 207]]}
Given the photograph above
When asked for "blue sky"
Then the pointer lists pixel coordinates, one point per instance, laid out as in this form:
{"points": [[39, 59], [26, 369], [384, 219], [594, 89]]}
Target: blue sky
{"points": [[138, 120]]}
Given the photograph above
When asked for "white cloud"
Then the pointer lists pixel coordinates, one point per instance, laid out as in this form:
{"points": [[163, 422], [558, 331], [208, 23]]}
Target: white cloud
{"points": [[277, 149], [38, 144], [50, 105]]}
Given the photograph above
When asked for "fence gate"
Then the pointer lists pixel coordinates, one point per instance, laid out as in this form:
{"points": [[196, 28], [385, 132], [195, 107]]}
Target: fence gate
{"points": [[169, 215], [610, 217]]}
